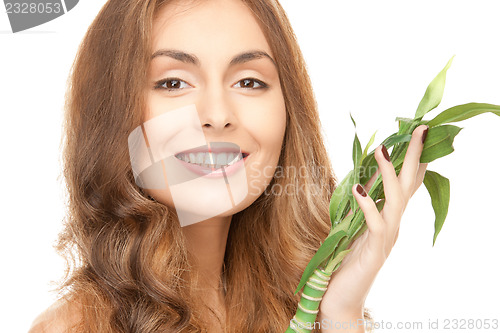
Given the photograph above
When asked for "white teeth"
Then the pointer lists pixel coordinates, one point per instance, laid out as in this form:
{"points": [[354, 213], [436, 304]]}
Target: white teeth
{"points": [[235, 159], [210, 159], [221, 159], [199, 158]]}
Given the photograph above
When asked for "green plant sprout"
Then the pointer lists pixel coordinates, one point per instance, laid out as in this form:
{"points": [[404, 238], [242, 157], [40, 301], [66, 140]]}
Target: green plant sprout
{"points": [[345, 228]]}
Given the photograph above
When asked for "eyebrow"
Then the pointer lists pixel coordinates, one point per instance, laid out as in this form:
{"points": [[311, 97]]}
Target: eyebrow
{"points": [[192, 59]]}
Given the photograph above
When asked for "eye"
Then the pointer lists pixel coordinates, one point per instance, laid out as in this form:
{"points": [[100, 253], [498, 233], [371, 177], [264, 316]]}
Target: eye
{"points": [[171, 84], [248, 83]]}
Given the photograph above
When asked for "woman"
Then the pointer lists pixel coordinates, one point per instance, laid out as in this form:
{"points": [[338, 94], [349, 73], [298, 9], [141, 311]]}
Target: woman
{"points": [[139, 267]]}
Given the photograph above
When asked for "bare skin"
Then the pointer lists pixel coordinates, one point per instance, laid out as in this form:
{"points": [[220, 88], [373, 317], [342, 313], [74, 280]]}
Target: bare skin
{"points": [[230, 107], [350, 284], [207, 241], [230, 112], [252, 117], [56, 319]]}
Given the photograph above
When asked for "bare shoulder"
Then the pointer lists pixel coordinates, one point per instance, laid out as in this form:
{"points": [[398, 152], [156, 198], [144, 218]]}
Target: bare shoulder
{"points": [[57, 318]]}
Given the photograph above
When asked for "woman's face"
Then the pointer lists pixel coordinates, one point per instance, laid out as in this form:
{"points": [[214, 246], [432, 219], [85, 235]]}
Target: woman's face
{"points": [[211, 59]]}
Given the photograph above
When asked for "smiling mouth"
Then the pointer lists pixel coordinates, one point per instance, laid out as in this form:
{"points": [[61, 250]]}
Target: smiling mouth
{"points": [[211, 160], [221, 154]]}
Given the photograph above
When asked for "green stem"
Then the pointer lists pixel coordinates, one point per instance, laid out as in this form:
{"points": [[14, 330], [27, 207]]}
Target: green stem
{"points": [[305, 317], [312, 294], [308, 308]]}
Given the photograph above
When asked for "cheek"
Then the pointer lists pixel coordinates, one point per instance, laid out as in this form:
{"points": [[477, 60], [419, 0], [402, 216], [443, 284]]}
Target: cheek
{"points": [[153, 107], [157, 105], [266, 122]]}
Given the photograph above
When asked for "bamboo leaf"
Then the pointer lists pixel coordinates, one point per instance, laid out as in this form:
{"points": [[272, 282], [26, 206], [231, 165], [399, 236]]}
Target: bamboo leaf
{"points": [[333, 265], [370, 142], [404, 124], [324, 251], [433, 93], [338, 195], [439, 190], [343, 206], [404, 119], [401, 156], [360, 232], [356, 224], [356, 159], [462, 112], [439, 142], [342, 226], [395, 139], [352, 119], [369, 166]]}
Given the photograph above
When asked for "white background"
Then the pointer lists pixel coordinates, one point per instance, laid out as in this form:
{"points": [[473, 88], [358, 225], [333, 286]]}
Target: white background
{"points": [[373, 59]]}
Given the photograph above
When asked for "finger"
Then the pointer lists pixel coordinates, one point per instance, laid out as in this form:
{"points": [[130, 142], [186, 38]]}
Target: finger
{"points": [[420, 176], [374, 221], [394, 203], [368, 185], [408, 173]]}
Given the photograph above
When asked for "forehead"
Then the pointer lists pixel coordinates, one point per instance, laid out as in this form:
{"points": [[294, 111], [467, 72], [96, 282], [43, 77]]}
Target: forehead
{"points": [[207, 27]]}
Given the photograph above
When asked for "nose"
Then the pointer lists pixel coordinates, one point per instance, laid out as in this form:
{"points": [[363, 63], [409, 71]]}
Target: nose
{"points": [[217, 115]]}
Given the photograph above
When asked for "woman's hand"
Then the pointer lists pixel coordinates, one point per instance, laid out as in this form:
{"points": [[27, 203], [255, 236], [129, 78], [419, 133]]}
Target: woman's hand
{"points": [[350, 284]]}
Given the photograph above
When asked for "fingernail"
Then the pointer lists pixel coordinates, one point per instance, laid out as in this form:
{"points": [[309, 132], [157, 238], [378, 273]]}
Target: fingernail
{"points": [[386, 153], [361, 190], [424, 134]]}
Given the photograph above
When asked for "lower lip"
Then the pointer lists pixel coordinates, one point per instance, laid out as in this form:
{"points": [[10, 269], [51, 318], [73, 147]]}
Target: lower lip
{"points": [[214, 173]]}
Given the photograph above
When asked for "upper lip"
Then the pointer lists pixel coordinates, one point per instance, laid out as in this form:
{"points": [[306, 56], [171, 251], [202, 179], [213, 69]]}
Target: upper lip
{"points": [[204, 149]]}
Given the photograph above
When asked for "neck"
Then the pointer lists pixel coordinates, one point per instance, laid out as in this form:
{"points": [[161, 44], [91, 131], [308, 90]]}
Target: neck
{"points": [[206, 241]]}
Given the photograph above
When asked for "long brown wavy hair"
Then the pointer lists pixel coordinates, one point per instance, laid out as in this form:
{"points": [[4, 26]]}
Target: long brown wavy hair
{"points": [[128, 267]]}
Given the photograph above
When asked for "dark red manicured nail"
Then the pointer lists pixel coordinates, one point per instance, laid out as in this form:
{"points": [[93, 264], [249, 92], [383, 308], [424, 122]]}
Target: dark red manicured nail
{"points": [[386, 153], [424, 134], [361, 190]]}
